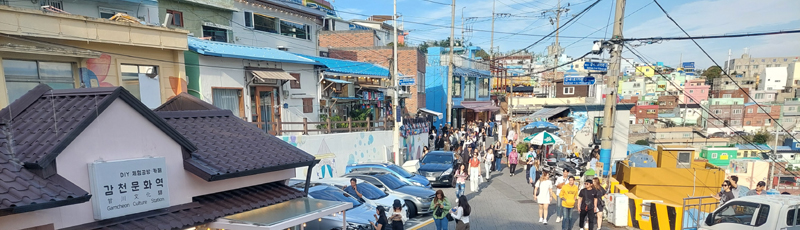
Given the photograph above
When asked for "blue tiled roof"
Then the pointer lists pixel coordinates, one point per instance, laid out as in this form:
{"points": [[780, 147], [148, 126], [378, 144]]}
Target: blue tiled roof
{"points": [[666, 115], [221, 49], [753, 147], [351, 67], [749, 103], [471, 72], [634, 148]]}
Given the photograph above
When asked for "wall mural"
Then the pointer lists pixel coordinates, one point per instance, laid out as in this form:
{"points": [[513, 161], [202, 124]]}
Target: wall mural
{"points": [[414, 144], [96, 71]]}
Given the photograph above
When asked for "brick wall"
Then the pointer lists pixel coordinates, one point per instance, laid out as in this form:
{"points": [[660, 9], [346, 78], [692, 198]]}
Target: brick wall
{"points": [[347, 39], [410, 62]]}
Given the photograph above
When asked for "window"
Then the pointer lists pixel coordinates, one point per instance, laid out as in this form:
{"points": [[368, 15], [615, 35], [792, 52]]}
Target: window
{"points": [[684, 159], [142, 82], [702, 91], [716, 103], [755, 66], [735, 103], [769, 65], [713, 155], [747, 123], [774, 60], [22, 76], [759, 96], [767, 122], [651, 111], [797, 145], [791, 108], [295, 30], [265, 23], [737, 111], [308, 105], [54, 3], [726, 96], [788, 120], [248, 19], [790, 218], [230, 99], [177, 18], [456, 86], [420, 82], [691, 91], [686, 135], [569, 90], [736, 122], [295, 84], [764, 109], [484, 90], [734, 213], [470, 88], [108, 13], [216, 34], [717, 111], [749, 110]]}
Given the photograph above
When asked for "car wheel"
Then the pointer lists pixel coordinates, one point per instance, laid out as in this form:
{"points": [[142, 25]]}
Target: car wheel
{"points": [[412, 209]]}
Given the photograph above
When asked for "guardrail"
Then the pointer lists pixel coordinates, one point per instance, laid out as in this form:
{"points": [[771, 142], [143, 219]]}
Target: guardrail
{"points": [[695, 210], [326, 126]]}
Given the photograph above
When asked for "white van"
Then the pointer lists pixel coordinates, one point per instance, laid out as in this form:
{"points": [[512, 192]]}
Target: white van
{"points": [[773, 212]]}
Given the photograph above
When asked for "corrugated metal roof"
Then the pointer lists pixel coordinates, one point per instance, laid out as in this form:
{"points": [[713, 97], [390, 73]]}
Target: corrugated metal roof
{"points": [[221, 49], [334, 80], [351, 67], [272, 74]]}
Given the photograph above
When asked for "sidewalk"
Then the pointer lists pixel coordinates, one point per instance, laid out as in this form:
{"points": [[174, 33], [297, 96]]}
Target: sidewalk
{"points": [[505, 202]]}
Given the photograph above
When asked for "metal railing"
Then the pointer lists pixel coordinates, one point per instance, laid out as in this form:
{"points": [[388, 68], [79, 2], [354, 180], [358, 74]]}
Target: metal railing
{"points": [[327, 126], [696, 209]]}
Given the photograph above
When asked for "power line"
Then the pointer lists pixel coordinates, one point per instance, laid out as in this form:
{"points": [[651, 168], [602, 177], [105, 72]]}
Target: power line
{"points": [[446, 4], [713, 36]]}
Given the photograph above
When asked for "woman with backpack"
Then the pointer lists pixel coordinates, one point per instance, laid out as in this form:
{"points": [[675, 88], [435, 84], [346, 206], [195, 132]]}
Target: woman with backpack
{"points": [[440, 205], [461, 213], [397, 216], [544, 192]]}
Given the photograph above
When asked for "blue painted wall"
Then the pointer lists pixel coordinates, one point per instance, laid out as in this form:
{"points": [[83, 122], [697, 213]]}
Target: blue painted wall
{"points": [[436, 81]]}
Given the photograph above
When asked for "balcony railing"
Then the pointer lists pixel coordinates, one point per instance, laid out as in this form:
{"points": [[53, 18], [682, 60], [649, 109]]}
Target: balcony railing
{"points": [[327, 126]]}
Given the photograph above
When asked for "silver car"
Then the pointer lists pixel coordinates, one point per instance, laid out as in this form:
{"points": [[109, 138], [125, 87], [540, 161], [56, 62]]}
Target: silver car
{"points": [[417, 199], [370, 194]]}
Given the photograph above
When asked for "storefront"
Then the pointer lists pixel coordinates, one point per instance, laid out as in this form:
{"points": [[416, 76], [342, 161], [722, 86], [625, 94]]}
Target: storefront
{"points": [[124, 166]]}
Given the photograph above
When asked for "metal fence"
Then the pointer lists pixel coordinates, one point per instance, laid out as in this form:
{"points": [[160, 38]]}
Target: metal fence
{"points": [[696, 209]]}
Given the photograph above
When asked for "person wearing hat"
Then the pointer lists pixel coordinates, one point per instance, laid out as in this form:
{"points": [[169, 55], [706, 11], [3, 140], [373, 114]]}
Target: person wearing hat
{"points": [[760, 189], [397, 216]]}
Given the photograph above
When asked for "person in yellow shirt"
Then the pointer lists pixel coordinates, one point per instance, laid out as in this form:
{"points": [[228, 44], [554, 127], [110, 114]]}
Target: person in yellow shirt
{"points": [[568, 194]]}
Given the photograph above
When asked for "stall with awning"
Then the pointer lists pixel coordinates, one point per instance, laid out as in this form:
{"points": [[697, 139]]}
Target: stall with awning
{"points": [[480, 106], [431, 112]]}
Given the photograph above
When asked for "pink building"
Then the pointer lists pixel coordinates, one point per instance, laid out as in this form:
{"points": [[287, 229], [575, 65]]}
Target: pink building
{"points": [[695, 91]]}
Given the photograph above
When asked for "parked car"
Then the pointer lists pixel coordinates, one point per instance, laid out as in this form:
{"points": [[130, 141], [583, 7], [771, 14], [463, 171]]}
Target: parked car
{"points": [[371, 195], [358, 216], [718, 135], [408, 177], [438, 167], [417, 199], [756, 212]]}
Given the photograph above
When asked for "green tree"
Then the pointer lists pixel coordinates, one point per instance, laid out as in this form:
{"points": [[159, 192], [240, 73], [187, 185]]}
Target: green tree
{"points": [[761, 137], [642, 142], [712, 72], [482, 54]]}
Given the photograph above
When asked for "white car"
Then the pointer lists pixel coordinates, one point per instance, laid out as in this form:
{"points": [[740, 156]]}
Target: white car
{"points": [[372, 195], [773, 212]]}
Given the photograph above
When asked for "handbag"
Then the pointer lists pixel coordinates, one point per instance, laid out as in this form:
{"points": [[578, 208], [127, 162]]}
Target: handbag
{"points": [[449, 217]]}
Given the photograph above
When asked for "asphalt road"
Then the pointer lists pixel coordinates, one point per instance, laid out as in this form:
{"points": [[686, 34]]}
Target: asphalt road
{"points": [[503, 202]]}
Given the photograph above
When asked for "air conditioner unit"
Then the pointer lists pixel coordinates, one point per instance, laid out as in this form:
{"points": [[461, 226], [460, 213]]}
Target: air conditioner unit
{"points": [[351, 90]]}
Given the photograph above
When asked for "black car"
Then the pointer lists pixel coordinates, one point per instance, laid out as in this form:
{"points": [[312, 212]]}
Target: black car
{"points": [[438, 167]]}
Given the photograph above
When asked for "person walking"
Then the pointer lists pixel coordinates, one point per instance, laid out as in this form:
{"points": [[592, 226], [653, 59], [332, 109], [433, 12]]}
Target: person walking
{"points": [[601, 204], [440, 205], [461, 180], [529, 161], [461, 213], [474, 172], [488, 161], [560, 182], [533, 177], [736, 189], [513, 159], [498, 158], [725, 195], [587, 200], [543, 192], [397, 216], [568, 195], [381, 223]]}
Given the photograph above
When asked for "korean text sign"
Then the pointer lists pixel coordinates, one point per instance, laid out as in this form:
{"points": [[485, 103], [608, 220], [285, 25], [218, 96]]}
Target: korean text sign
{"points": [[128, 186]]}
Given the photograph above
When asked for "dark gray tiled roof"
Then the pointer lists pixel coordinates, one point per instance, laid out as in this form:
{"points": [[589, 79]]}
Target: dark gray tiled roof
{"points": [[228, 146]]}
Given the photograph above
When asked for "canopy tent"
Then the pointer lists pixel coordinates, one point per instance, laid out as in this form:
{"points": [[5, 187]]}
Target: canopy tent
{"points": [[539, 126], [545, 138]]}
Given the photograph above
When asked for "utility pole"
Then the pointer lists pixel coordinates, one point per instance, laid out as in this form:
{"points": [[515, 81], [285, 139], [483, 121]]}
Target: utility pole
{"points": [[396, 98], [611, 88], [557, 46], [774, 156], [450, 65], [462, 26]]}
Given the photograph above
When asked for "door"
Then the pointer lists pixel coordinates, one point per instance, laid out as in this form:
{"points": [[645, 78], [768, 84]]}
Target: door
{"points": [[264, 103]]}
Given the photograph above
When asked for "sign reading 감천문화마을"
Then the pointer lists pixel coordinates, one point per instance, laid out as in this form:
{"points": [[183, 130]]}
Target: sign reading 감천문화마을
{"points": [[128, 186]]}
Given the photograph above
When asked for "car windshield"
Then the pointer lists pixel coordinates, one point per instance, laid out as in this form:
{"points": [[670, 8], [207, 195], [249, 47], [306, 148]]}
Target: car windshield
{"points": [[332, 194], [391, 181], [437, 159], [368, 190], [401, 171]]}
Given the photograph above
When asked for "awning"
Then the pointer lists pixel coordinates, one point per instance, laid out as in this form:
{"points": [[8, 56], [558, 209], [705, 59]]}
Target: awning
{"points": [[272, 75], [371, 86], [283, 215], [347, 98], [479, 106], [334, 80], [431, 112], [541, 115]]}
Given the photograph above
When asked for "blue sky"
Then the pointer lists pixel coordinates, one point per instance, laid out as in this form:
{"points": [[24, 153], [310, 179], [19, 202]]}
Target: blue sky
{"points": [[702, 17]]}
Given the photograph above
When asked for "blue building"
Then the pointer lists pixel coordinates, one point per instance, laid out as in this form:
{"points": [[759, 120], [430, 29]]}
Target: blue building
{"points": [[471, 85]]}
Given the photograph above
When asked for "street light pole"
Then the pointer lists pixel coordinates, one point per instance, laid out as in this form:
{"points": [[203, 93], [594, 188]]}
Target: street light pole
{"points": [[611, 89], [395, 98], [449, 82]]}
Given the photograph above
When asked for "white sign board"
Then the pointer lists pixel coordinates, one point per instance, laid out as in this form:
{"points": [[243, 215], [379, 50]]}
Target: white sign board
{"points": [[128, 186]]}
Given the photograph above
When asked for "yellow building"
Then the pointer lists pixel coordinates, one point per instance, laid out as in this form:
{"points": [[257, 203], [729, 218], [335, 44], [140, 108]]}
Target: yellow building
{"points": [[677, 176], [74, 51], [646, 71]]}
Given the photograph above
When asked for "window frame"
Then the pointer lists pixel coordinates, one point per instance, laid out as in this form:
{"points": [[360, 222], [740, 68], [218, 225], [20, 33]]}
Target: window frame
{"points": [[571, 89], [295, 84], [308, 105], [241, 99], [101, 10], [176, 15], [248, 22], [713, 216], [203, 29], [39, 79], [457, 91]]}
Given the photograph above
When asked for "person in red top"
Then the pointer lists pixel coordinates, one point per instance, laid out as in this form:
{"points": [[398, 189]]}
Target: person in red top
{"points": [[474, 171]]}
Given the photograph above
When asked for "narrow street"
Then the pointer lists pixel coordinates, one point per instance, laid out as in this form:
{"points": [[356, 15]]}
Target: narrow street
{"points": [[502, 203]]}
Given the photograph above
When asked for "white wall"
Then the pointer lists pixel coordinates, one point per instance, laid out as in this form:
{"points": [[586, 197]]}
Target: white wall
{"points": [[339, 150], [250, 37], [149, 12], [121, 133], [619, 149], [773, 78], [229, 72]]}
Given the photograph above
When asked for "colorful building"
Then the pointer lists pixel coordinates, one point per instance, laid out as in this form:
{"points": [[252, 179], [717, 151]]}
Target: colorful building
{"points": [[719, 156], [645, 70], [695, 91]]}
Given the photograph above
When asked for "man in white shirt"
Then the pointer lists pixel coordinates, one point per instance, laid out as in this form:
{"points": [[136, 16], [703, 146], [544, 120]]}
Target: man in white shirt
{"points": [[560, 181]]}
